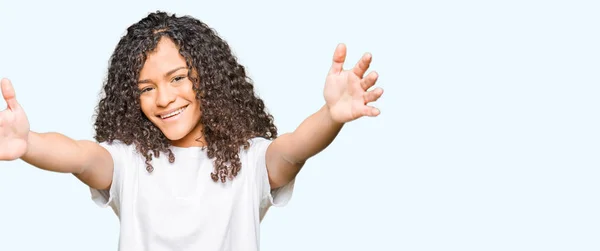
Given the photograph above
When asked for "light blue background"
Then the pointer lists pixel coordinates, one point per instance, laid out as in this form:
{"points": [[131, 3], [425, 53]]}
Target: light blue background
{"points": [[489, 136]]}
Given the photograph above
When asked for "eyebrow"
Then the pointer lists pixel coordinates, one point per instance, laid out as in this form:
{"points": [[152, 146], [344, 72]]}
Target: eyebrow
{"points": [[166, 75]]}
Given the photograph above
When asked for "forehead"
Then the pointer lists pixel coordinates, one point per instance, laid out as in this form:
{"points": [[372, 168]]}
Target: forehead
{"points": [[164, 58]]}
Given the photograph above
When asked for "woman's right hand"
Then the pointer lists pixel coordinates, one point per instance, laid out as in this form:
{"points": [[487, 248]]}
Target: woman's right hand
{"points": [[14, 126]]}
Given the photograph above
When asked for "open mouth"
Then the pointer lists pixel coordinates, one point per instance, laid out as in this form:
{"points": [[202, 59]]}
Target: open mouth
{"points": [[172, 114]]}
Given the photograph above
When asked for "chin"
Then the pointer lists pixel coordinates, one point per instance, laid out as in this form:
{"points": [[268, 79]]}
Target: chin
{"points": [[174, 136], [177, 132]]}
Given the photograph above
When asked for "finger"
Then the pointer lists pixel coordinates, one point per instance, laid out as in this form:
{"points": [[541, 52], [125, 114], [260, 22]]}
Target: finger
{"points": [[363, 64], [370, 111], [373, 95], [369, 81], [8, 92], [339, 56]]}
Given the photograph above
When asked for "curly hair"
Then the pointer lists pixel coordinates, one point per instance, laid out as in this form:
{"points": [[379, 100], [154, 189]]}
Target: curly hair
{"points": [[231, 111]]}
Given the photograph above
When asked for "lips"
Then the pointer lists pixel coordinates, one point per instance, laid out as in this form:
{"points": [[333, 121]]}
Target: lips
{"points": [[171, 113]]}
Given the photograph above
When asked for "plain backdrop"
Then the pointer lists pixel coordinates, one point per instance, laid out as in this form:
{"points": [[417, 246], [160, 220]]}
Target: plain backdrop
{"points": [[488, 137]]}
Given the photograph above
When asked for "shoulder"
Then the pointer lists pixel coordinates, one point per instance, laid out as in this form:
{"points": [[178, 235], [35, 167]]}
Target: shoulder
{"points": [[119, 148], [256, 151], [258, 145], [256, 141], [116, 144]]}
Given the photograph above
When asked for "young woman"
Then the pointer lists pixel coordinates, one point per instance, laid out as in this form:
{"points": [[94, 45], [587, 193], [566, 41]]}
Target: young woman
{"points": [[186, 154]]}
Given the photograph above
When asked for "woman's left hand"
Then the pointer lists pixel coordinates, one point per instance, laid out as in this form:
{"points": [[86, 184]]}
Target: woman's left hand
{"points": [[346, 92]]}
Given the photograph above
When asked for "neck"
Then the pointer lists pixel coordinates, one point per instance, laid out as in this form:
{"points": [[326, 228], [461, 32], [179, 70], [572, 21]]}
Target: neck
{"points": [[194, 139]]}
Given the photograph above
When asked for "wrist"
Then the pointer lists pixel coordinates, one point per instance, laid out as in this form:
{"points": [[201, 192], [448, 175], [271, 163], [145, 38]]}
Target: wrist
{"points": [[329, 117], [28, 140]]}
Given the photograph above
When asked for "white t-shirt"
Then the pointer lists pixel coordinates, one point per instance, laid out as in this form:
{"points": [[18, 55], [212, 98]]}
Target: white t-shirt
{"points": [[179, 207]]}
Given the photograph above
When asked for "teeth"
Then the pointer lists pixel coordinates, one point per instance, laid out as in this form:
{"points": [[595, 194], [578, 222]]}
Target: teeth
{"points": [[172, 113]]}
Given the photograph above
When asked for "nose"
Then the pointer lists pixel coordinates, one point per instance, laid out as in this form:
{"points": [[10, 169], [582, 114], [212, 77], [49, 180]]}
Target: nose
{"points": [[166, 96]]}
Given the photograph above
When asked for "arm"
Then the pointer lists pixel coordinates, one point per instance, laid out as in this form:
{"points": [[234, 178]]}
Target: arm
{"points": [[87, 160], [287, 154], [346, 97]]}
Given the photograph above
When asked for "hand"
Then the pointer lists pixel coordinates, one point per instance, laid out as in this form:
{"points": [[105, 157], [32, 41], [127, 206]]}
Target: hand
{"points": [[14, 127], [346, 92]]}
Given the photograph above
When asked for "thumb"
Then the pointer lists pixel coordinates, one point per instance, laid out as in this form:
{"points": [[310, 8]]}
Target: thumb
{"points": [[8, 92], [339, 56]]}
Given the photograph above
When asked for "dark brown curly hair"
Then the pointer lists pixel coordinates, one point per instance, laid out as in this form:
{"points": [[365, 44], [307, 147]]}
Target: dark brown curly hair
{"points": [[231, 111]]}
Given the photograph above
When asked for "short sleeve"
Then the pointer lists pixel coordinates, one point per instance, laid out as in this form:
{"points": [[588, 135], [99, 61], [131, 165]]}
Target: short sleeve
{"points": [[278, 197], [121, 154]]}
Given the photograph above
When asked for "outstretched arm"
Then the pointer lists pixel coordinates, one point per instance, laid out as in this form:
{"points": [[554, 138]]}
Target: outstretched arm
{"points": [[346, 96], [87, 160]]}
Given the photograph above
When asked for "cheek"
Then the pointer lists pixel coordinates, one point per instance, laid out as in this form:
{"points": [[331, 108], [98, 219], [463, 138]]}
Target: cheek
{"points": [[195, 110], [187, 91], [197, 106], [146, 106]]}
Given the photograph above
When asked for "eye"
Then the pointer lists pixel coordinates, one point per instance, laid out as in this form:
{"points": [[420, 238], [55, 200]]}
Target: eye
{"points": [[178, 78], [145, 89]]}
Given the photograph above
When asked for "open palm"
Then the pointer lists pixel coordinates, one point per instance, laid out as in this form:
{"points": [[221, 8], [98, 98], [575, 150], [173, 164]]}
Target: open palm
{"points": [[14, 126], [346, 92]]}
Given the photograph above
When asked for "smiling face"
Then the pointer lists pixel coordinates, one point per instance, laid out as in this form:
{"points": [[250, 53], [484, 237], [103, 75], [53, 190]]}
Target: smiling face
{"points": [[167, 97]]}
